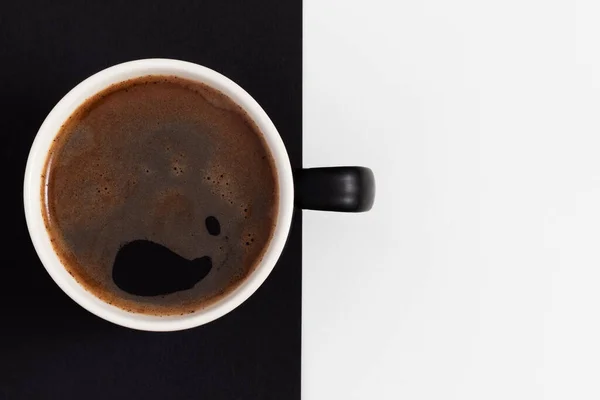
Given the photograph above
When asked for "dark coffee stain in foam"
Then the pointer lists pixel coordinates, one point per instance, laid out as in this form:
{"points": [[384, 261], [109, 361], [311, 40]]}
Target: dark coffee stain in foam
{"points": [[151, 160], [213, 226], [145, 268]]}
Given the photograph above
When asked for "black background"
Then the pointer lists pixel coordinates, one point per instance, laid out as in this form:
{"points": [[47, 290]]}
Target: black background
{"points": [[50, 347]]}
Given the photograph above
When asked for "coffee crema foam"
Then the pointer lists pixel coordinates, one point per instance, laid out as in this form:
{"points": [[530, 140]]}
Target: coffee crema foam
{"points": [[160, 195]]}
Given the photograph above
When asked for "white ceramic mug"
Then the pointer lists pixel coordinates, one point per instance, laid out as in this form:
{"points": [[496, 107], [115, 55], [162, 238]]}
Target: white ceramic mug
{"points": [[336, 189]]}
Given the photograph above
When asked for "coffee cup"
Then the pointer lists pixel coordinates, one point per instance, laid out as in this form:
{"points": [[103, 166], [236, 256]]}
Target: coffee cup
{"points": [[341, 189]]}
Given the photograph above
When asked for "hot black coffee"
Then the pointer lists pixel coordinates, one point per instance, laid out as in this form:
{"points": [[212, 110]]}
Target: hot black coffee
{"points": [[160, 195]]}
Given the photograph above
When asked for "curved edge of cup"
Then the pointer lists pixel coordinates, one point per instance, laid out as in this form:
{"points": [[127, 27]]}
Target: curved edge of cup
{"points": [[33, 183]]}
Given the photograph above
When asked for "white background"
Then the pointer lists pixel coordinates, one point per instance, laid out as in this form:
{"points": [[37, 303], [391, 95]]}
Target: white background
{"points": [[477, 273]]}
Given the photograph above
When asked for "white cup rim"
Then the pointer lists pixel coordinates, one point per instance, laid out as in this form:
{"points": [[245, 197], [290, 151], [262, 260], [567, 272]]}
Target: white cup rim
{"points": [[33, 181]]}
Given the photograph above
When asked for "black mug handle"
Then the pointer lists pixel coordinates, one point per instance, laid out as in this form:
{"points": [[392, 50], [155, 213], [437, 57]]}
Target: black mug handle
{"points": [[347, 189]]}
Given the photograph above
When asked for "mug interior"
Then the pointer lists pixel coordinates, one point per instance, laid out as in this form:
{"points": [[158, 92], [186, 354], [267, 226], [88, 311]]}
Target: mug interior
{"points": [[33, 181]]}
